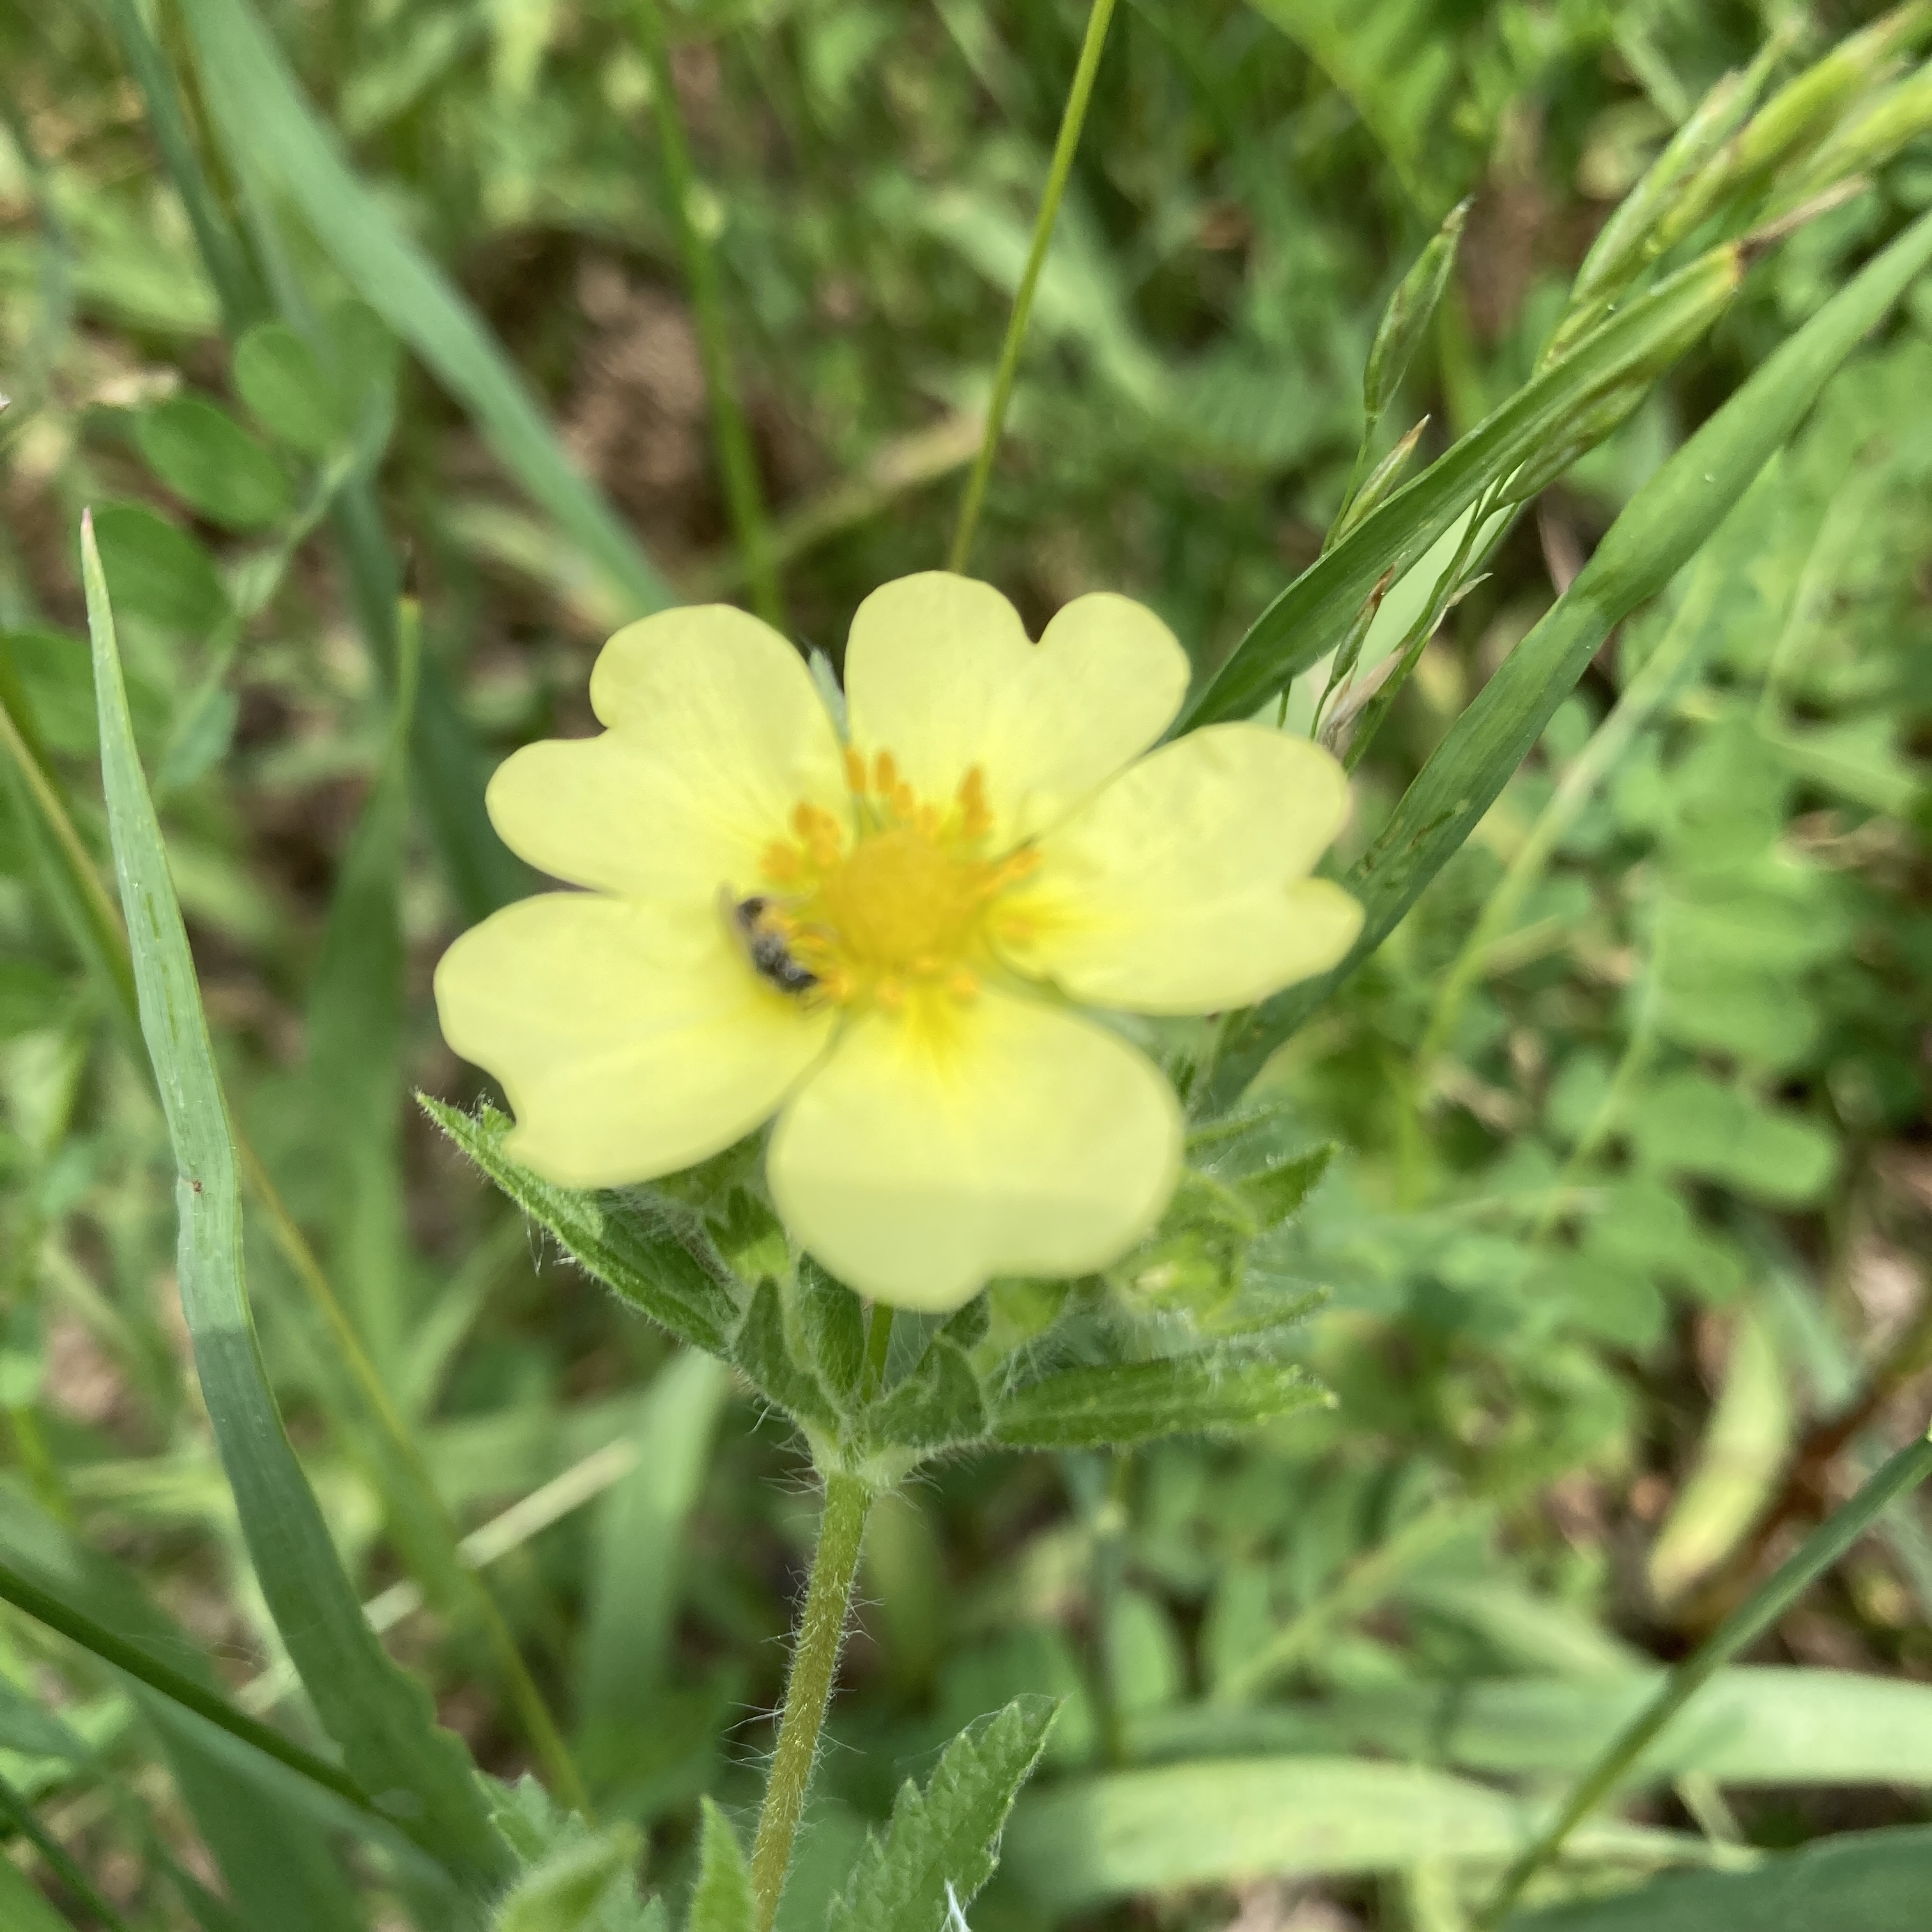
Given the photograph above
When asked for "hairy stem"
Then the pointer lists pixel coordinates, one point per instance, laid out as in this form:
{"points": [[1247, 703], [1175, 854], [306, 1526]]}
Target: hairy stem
{"points": [[1071, 119], [814, 1663]]}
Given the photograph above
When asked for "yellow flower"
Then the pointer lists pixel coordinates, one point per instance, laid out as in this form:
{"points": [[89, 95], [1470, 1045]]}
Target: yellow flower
{"points": [[885, 943]]}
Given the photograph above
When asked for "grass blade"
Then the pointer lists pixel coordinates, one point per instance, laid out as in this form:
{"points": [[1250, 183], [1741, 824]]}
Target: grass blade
{"points": [[222, 254], [17, 1813], [1314, 613], [379, 1715], [1820, 1551], [639, 1559], [274, 131], [364, 1409], [1073, 117], [21, 1591], [1662, 526]]}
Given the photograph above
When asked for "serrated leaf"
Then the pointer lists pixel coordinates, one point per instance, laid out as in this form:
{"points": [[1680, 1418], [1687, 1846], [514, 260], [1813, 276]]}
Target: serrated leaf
{"points": [[277, 374], [834, 1327], [587, 1886], [633, 1253], [1276, 1193], [721, 1901], [158, 572], [937, 1406], [942, 1843], [1121, 1403], [211, 462], [764, 1351]]}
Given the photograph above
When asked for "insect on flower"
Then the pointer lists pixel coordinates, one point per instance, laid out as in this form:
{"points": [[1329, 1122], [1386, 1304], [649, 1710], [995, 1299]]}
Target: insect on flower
{"points": [[896, 945], [766, 946]]}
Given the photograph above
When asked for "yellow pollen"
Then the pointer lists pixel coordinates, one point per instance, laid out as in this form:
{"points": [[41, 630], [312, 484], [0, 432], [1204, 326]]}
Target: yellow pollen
{"points": [[901, 902]]}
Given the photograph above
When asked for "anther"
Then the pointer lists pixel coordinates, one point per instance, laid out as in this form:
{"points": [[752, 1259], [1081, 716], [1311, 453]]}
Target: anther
{"points": [[855, 770]]}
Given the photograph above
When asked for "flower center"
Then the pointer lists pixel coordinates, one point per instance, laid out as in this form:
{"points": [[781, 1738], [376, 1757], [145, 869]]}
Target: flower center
{"points": [[906, 907]]}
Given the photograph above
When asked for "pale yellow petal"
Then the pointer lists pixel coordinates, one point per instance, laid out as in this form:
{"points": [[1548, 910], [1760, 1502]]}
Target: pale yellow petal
{"points": [[1183, 887], [1026, 1140], [716, 732], [631, 1040], [939, 672]]}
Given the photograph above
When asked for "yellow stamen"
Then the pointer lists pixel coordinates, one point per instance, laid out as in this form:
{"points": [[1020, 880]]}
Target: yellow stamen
{"points": [[906, 901]]}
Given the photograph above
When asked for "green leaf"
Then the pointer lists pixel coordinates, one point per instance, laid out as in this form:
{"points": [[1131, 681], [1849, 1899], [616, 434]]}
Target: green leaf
{"points": [[1074, 1848], [1140, 1401], [355, 1082], [272, 133], [721, 1901], [764, 1351], [209, 460], [276, 373], [1737, 1465], [588, 1885], [1315, 612], [1689, 1123], [937, 1406], [1660, 529], [1863, 1881], [942, 1843], [1750, 1726], [380, 1716], [634, 1252], [158, 571]]}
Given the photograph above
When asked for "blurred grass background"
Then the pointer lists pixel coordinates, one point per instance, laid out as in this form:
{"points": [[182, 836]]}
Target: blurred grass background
{"points": [[1626, 1242]]}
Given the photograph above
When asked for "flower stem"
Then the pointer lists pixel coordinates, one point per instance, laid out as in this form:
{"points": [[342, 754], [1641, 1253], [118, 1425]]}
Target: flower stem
{"points": [[814, 1663], [1072, 117], [735, 459]]}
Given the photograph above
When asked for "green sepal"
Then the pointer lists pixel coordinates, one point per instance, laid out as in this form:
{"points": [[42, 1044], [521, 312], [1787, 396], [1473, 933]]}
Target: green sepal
{"points": [[1115, 1404], [937, 1406], [763, 1352], [967, 1328], [635, 1253], [833, 1324]]}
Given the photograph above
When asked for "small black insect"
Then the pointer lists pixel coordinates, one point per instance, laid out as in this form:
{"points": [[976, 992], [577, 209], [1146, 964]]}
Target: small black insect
{"points": [[765, 946]]}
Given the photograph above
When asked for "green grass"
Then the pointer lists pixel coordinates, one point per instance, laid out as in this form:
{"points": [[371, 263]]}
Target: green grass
{"points": [[1629, 1096]]}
